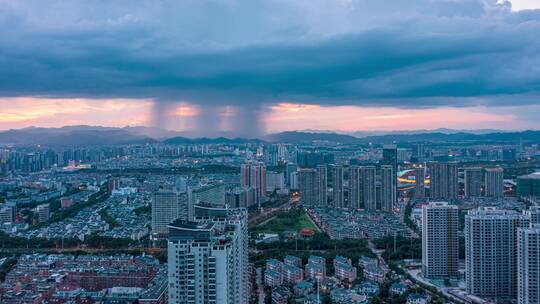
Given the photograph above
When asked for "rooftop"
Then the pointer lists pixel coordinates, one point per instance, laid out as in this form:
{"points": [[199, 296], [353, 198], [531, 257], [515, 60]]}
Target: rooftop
{"points": [[185, 225], [535, 175]]}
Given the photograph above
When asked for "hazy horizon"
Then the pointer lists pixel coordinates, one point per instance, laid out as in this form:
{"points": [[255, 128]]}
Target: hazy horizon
{"points": [[357, 133]]}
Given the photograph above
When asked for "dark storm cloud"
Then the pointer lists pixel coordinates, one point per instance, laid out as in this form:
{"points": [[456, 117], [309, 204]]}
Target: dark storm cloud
{"points": [[400, 53]]}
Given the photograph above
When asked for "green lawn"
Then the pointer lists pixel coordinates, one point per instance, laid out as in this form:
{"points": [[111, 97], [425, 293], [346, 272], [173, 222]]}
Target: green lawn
{"points": [[290, 221], [320, 245]]}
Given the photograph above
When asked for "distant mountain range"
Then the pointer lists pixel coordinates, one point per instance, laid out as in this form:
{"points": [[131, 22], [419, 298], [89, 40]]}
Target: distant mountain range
{"points": [[205, 140], [95, 135], [72, 135], [155, 133], [497, 137], [361, 134], [298, 137], [423, 131]]}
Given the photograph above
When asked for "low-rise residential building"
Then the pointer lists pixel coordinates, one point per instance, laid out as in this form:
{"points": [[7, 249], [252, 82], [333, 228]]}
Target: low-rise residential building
{"points": [[280, 295], [369, 288], [272, 278], [52, 278], [315, 268], [292, 274], [374, 273], [303, 288], [347, 296], [364, 261], [415, 298], [156, 291], [357, 224], [275, 265], [343, 269], [292, 261], [398, 289], [66, 202]]}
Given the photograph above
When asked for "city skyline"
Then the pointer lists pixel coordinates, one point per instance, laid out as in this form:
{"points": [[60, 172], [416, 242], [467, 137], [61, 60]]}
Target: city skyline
{"points": [[270, 151], [266, 67], [236, 220]]}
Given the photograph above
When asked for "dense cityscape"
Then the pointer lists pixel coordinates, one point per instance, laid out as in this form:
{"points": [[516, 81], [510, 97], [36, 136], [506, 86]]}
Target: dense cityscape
{"points": [[270, 152], [248, 221]]}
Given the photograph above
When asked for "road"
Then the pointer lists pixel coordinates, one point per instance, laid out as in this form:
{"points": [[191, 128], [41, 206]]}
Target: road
{"points": [[260, 286], [406, 202], [267, 214], [416, 275], [378, 253], [382, 264]]}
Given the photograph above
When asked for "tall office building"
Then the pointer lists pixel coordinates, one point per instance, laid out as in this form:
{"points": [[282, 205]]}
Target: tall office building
{"points": [[388, 188], [418, 153], [338, 187], [403, 155], [491, 252], [494, 179], [531, 216], [13, 206], [208, 258], [293, 182], [509, 154], [322, 185], [528, 186], [6, 215], [368, 180], [167, 207], [253, 175], [440, 240], [473, 182], [419, 188], [443, 180], [307, 186], [355, 185], [275, 153], [181, 184], [310, 159], [209, 194], [290, 169], [390, 158], [529, 265], [274, 181], [240, 197], [43, 212]]}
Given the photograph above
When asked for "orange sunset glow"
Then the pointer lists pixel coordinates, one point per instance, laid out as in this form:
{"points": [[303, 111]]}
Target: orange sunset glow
{"points": [[25, 112], [352, 118]]}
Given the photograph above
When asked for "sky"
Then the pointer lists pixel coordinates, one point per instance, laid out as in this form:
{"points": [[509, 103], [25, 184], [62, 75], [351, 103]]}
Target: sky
{"points": [[247, 68]]}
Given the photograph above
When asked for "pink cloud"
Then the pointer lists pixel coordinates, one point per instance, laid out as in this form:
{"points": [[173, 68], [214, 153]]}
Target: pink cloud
{"points": [[352, 118], [183, 116], [43, 112]]}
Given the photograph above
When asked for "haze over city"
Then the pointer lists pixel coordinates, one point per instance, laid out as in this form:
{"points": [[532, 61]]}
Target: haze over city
{"points": [[257, 67]]}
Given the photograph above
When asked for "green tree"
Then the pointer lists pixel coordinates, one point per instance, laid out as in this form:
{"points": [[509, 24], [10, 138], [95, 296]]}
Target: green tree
{"points": [[326, 299]]}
